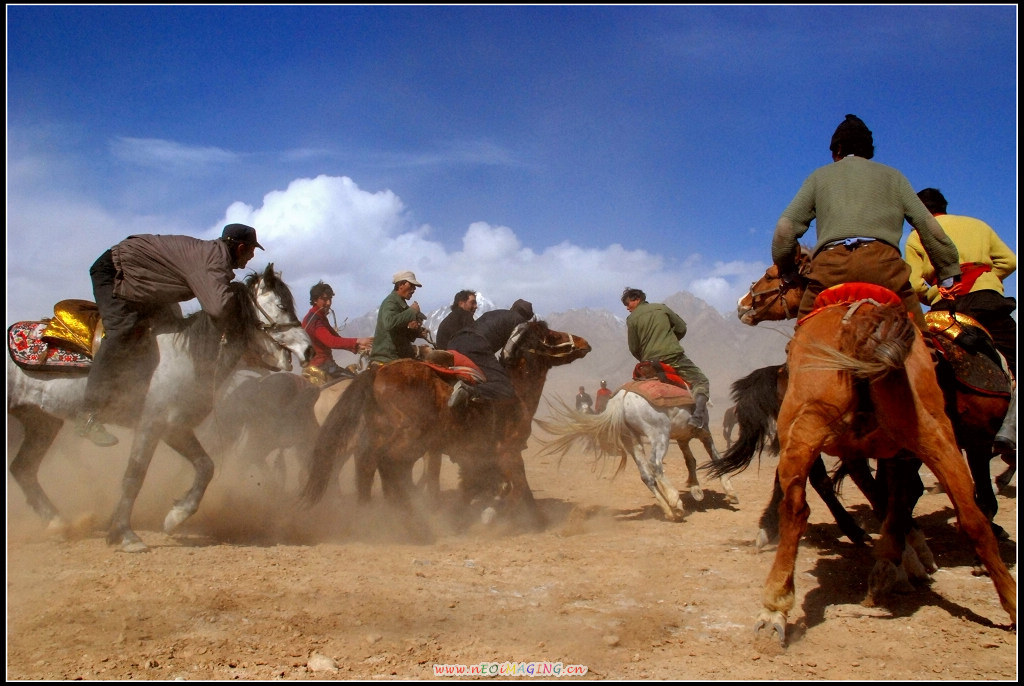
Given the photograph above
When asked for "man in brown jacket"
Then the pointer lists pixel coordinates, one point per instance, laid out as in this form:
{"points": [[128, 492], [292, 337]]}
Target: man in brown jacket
{"points": [[140, 282]]}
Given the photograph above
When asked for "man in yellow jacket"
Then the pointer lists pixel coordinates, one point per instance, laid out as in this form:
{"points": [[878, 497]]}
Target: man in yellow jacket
{"points": [[985, 261]]}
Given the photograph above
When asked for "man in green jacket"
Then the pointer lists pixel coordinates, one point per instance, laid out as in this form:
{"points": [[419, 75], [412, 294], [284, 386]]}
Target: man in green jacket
{"points": [[654, 331], [398, 323]]}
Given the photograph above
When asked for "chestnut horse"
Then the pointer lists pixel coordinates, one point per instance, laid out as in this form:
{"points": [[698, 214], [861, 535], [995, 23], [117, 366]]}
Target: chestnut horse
{"points": [[390, 416], [862, 381], [976, 415]]}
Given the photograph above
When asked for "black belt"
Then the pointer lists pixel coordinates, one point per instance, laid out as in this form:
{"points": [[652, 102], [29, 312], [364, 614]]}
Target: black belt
{"points": [[849, 243]]}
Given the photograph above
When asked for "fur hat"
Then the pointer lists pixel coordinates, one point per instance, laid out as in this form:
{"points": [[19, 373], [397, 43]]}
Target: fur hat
{"points": [[523, 308]]}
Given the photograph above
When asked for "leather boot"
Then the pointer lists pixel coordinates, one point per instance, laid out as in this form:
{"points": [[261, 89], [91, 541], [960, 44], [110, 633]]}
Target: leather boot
{"points": [[459, 394], [699, 416], [87, 426], [1006, 440]]}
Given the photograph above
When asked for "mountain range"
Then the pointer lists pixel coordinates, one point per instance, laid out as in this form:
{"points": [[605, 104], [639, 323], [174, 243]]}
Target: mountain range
{"points": [[723, 347]]}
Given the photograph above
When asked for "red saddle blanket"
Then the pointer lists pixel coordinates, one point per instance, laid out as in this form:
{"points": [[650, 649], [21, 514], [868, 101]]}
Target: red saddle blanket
{"points": [[849, 293], [29, 349], [660, 394]]}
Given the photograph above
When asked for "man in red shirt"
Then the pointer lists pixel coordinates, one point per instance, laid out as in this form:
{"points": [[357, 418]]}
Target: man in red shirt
{"points": [[323, 367]]}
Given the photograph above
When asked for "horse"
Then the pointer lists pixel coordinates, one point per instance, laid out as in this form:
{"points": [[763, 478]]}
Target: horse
{"points": [[627, 420], [193, 360], [393, 414], [862, 381], [260, 416], [976, 410], [729, 424]]}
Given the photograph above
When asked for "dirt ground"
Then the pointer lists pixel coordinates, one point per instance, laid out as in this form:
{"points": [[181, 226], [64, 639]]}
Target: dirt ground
{"points": [[253, 588]]}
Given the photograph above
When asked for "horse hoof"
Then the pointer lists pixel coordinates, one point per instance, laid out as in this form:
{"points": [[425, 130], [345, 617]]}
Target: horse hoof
{"points": [[488, 515], [56, 529], [134, 547], [697, 493], [777, 622], [761, 540], [174, 518]]}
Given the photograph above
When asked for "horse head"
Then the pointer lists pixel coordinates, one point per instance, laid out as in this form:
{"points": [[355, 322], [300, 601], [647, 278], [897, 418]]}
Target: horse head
{"points": [[772, 299], [275, 307], [535, 343]]}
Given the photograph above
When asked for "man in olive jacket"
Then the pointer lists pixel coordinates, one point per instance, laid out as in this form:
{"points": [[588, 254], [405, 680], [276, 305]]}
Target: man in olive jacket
{"points": [[654, 332]]}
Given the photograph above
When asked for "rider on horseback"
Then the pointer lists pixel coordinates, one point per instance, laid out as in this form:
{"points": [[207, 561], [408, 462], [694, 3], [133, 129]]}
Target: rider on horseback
{"points": [[479, 342], [654, 332], [323, 367], [985, 261], [138, 284], [858, 208]]}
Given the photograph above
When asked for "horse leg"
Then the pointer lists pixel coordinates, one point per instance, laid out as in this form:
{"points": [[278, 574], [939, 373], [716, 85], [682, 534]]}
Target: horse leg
{"points": [[696, 492], [891, 553], [823, 485], [397, 483], [652, 473], [120, 531], [709, 445], [768, 525], [1003, 480], [933, 441], [184, 441], [40, 430], [979, 461], [520, 498], [431, 479], [795, 461], [366, 469]]}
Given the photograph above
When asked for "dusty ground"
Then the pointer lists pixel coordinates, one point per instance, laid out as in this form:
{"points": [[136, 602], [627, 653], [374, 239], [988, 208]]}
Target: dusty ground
{"points": [[252, 589]]}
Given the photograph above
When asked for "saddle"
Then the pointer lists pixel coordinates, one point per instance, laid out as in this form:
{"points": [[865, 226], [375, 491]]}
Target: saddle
{"points": [[660, 394], [65, 342], [660, 371], [967, 348], [850, 294]]}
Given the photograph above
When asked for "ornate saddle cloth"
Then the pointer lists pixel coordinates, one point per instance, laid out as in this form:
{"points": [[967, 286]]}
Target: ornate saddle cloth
{"points": [[967, 347], [850, 293], [660, 394], [64, 343], [450, 365]]}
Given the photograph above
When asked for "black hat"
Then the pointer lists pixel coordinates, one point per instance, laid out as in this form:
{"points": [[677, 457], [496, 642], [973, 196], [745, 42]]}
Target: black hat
{"points": [[241, 233], [855, 138], [523, 308]]}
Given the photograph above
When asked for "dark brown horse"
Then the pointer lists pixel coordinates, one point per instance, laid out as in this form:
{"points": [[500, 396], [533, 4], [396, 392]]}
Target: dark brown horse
{"points": [[392, 415], [862, 382]]}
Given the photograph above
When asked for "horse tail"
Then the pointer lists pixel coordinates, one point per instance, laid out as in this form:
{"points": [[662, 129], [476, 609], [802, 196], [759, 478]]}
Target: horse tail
{"points": [[757, 401], [876, 343], [603, 434], [336, 435]]}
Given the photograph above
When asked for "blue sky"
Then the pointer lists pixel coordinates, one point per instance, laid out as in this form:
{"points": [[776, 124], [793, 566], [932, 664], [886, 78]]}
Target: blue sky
{"points": [[557, 154]]}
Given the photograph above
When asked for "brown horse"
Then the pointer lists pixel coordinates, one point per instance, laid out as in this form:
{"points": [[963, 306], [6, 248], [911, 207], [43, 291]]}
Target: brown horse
{"points": [[390, 416], [862, 382], [976, 414]]}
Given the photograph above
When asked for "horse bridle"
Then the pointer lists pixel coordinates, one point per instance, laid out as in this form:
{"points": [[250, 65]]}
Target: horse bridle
{"points": [[270, 326], [551, 350], [780, 293]]}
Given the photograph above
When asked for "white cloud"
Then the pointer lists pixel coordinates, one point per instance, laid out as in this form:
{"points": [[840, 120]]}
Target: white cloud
{"points": [[329, 228], [154, 152]]}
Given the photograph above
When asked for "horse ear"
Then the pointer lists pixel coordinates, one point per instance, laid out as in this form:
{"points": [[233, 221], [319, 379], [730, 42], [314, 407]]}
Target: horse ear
{"points": [[268, 273]]}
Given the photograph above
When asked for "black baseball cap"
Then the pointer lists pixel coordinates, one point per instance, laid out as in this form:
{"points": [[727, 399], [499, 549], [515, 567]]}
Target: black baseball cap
{"points": [[242, 234]]}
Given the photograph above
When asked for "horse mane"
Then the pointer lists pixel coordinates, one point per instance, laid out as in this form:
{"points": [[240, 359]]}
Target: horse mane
{"points": [[202, 336], [532, 338], [272, 280]]}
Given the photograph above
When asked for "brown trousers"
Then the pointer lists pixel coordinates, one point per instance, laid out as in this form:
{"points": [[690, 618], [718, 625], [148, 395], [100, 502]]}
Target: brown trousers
{"points": [[877, 262]]}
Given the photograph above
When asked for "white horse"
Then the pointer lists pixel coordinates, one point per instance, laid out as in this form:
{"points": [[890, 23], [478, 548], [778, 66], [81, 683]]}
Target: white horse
{"points": [[621, 429], [190, 364]]}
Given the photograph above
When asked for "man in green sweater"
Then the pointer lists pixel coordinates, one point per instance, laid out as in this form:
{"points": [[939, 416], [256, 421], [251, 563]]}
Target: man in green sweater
{"points": [[399, 324], [653, 332], [858, 207]]}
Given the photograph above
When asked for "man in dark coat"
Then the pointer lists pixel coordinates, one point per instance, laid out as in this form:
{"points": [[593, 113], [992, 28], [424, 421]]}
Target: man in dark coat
{"points": [[480, 342]]}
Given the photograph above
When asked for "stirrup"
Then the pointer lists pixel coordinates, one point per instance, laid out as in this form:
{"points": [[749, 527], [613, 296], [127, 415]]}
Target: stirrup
{"points": [[88, 427]]}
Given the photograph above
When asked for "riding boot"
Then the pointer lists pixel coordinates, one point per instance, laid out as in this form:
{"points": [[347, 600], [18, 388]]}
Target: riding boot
{"points": [[460, 393], [87, 426], [699, 416], [1005, 442]]}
